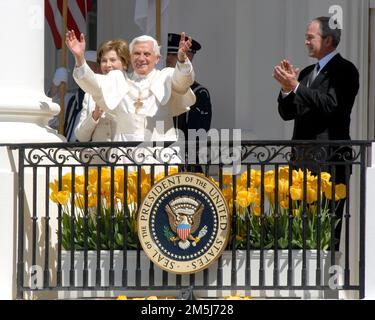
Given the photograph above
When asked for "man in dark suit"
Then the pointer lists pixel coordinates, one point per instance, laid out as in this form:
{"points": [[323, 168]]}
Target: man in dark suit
{"points": [[320, 101], [200, 114]]}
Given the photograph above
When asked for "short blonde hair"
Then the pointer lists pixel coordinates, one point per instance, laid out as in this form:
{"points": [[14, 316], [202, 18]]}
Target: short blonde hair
{"points": [[119, 46]]}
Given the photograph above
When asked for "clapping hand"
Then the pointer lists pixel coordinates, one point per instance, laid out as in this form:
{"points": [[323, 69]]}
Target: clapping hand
{"points": [[77, 47], [97, 113], [286, 75], [183, 47]]}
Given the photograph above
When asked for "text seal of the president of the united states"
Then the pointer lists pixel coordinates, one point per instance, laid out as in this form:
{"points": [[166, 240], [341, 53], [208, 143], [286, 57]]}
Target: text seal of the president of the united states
{"points": [[183, 223]]}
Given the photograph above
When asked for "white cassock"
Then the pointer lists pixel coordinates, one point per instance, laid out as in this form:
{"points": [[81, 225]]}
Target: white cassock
{"points": [[160, 96]]}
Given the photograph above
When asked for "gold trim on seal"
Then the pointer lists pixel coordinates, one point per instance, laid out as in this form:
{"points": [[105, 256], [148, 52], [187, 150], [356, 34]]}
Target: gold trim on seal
{"points": [[215, 246]]}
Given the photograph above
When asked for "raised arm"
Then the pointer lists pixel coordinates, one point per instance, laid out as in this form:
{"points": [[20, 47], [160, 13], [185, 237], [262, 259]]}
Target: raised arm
{"points": [[183, 47], [76, 47]]}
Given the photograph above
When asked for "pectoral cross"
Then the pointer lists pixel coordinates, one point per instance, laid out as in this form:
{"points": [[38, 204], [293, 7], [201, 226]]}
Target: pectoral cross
{"points": [[137, 105]]}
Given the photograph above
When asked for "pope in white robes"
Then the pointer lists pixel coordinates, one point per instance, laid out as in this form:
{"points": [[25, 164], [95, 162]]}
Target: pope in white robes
{"points": [[145, 101]]}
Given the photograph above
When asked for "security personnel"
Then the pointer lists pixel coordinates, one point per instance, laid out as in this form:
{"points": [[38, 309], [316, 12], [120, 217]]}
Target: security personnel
{"points": [[200, 114]]}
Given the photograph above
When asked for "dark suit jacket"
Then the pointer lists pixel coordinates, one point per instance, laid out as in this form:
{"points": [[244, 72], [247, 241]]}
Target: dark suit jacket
{"points": [[322, 111], [200, 114]]}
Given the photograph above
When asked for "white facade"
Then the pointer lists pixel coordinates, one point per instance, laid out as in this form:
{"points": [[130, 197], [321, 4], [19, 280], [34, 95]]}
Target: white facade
{"points": [[241, 42]]}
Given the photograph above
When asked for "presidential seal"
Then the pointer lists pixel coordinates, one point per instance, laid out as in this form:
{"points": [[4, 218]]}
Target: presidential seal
{"points": [[183, 223]]}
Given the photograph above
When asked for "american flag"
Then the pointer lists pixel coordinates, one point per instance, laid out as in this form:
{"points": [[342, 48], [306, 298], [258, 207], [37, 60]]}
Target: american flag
{"points": [[76, 18]]}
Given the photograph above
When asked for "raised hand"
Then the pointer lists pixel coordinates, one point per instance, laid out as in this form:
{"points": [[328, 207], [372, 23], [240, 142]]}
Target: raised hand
{"points": [[183, 47], [76, 47]]}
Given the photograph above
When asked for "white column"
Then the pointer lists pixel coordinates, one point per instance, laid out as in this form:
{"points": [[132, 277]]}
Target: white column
{"points": [[24, 113], [24, 107], [370, 227]]}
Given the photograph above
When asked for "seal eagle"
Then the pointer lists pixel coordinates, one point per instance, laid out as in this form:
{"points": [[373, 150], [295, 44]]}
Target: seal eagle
{"points": [[184, 216]]}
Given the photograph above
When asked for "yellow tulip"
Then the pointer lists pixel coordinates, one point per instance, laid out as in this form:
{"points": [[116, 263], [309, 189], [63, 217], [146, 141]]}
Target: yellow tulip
{"points": [[242, 199], [92, 189], [341, 190], [172, 170], [296, 193], [296, 212], [63, 197], [106, 175], [79, 202], [326, 186], [66, 187], [312, 195], [228, 193], [243, 178], [284, 173], [93, 201], [106, 188], [227, 179], [253, 194], [119, 174], [54, 186], [93, 176], [145, 188], [269, 188], [297, 176], [283, 186], [255, 178], [159, 176], [271, 197], [67, 178], [131, 198], [79, 188], [284, 204], [241, 188], [240, 184], [256, 209], [239, 238], [53, 196], [270, 174], [79, 179], [325, 176]]}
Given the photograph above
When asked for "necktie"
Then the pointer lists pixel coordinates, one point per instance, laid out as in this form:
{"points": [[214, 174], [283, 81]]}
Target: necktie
{"points": [[313, 74]]}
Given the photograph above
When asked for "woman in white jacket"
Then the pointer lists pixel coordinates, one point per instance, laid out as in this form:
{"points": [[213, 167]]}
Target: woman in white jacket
{"points": [[94, 124]]}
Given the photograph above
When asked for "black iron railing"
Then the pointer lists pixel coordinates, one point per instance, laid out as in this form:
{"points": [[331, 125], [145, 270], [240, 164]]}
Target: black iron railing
{"points": [[288, 202]]}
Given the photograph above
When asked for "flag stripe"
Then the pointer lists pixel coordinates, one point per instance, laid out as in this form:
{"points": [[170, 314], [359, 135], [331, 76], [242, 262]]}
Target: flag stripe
{"points": [[49, 12], [76, 17], [81, 6]]}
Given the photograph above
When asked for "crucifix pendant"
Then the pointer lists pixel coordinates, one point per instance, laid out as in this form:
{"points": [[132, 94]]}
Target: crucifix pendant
{"points": [[138, 104]]}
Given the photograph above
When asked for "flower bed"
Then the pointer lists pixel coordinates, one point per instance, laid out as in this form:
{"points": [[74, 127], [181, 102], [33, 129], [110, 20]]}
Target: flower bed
{"points": [[283, 204]]}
